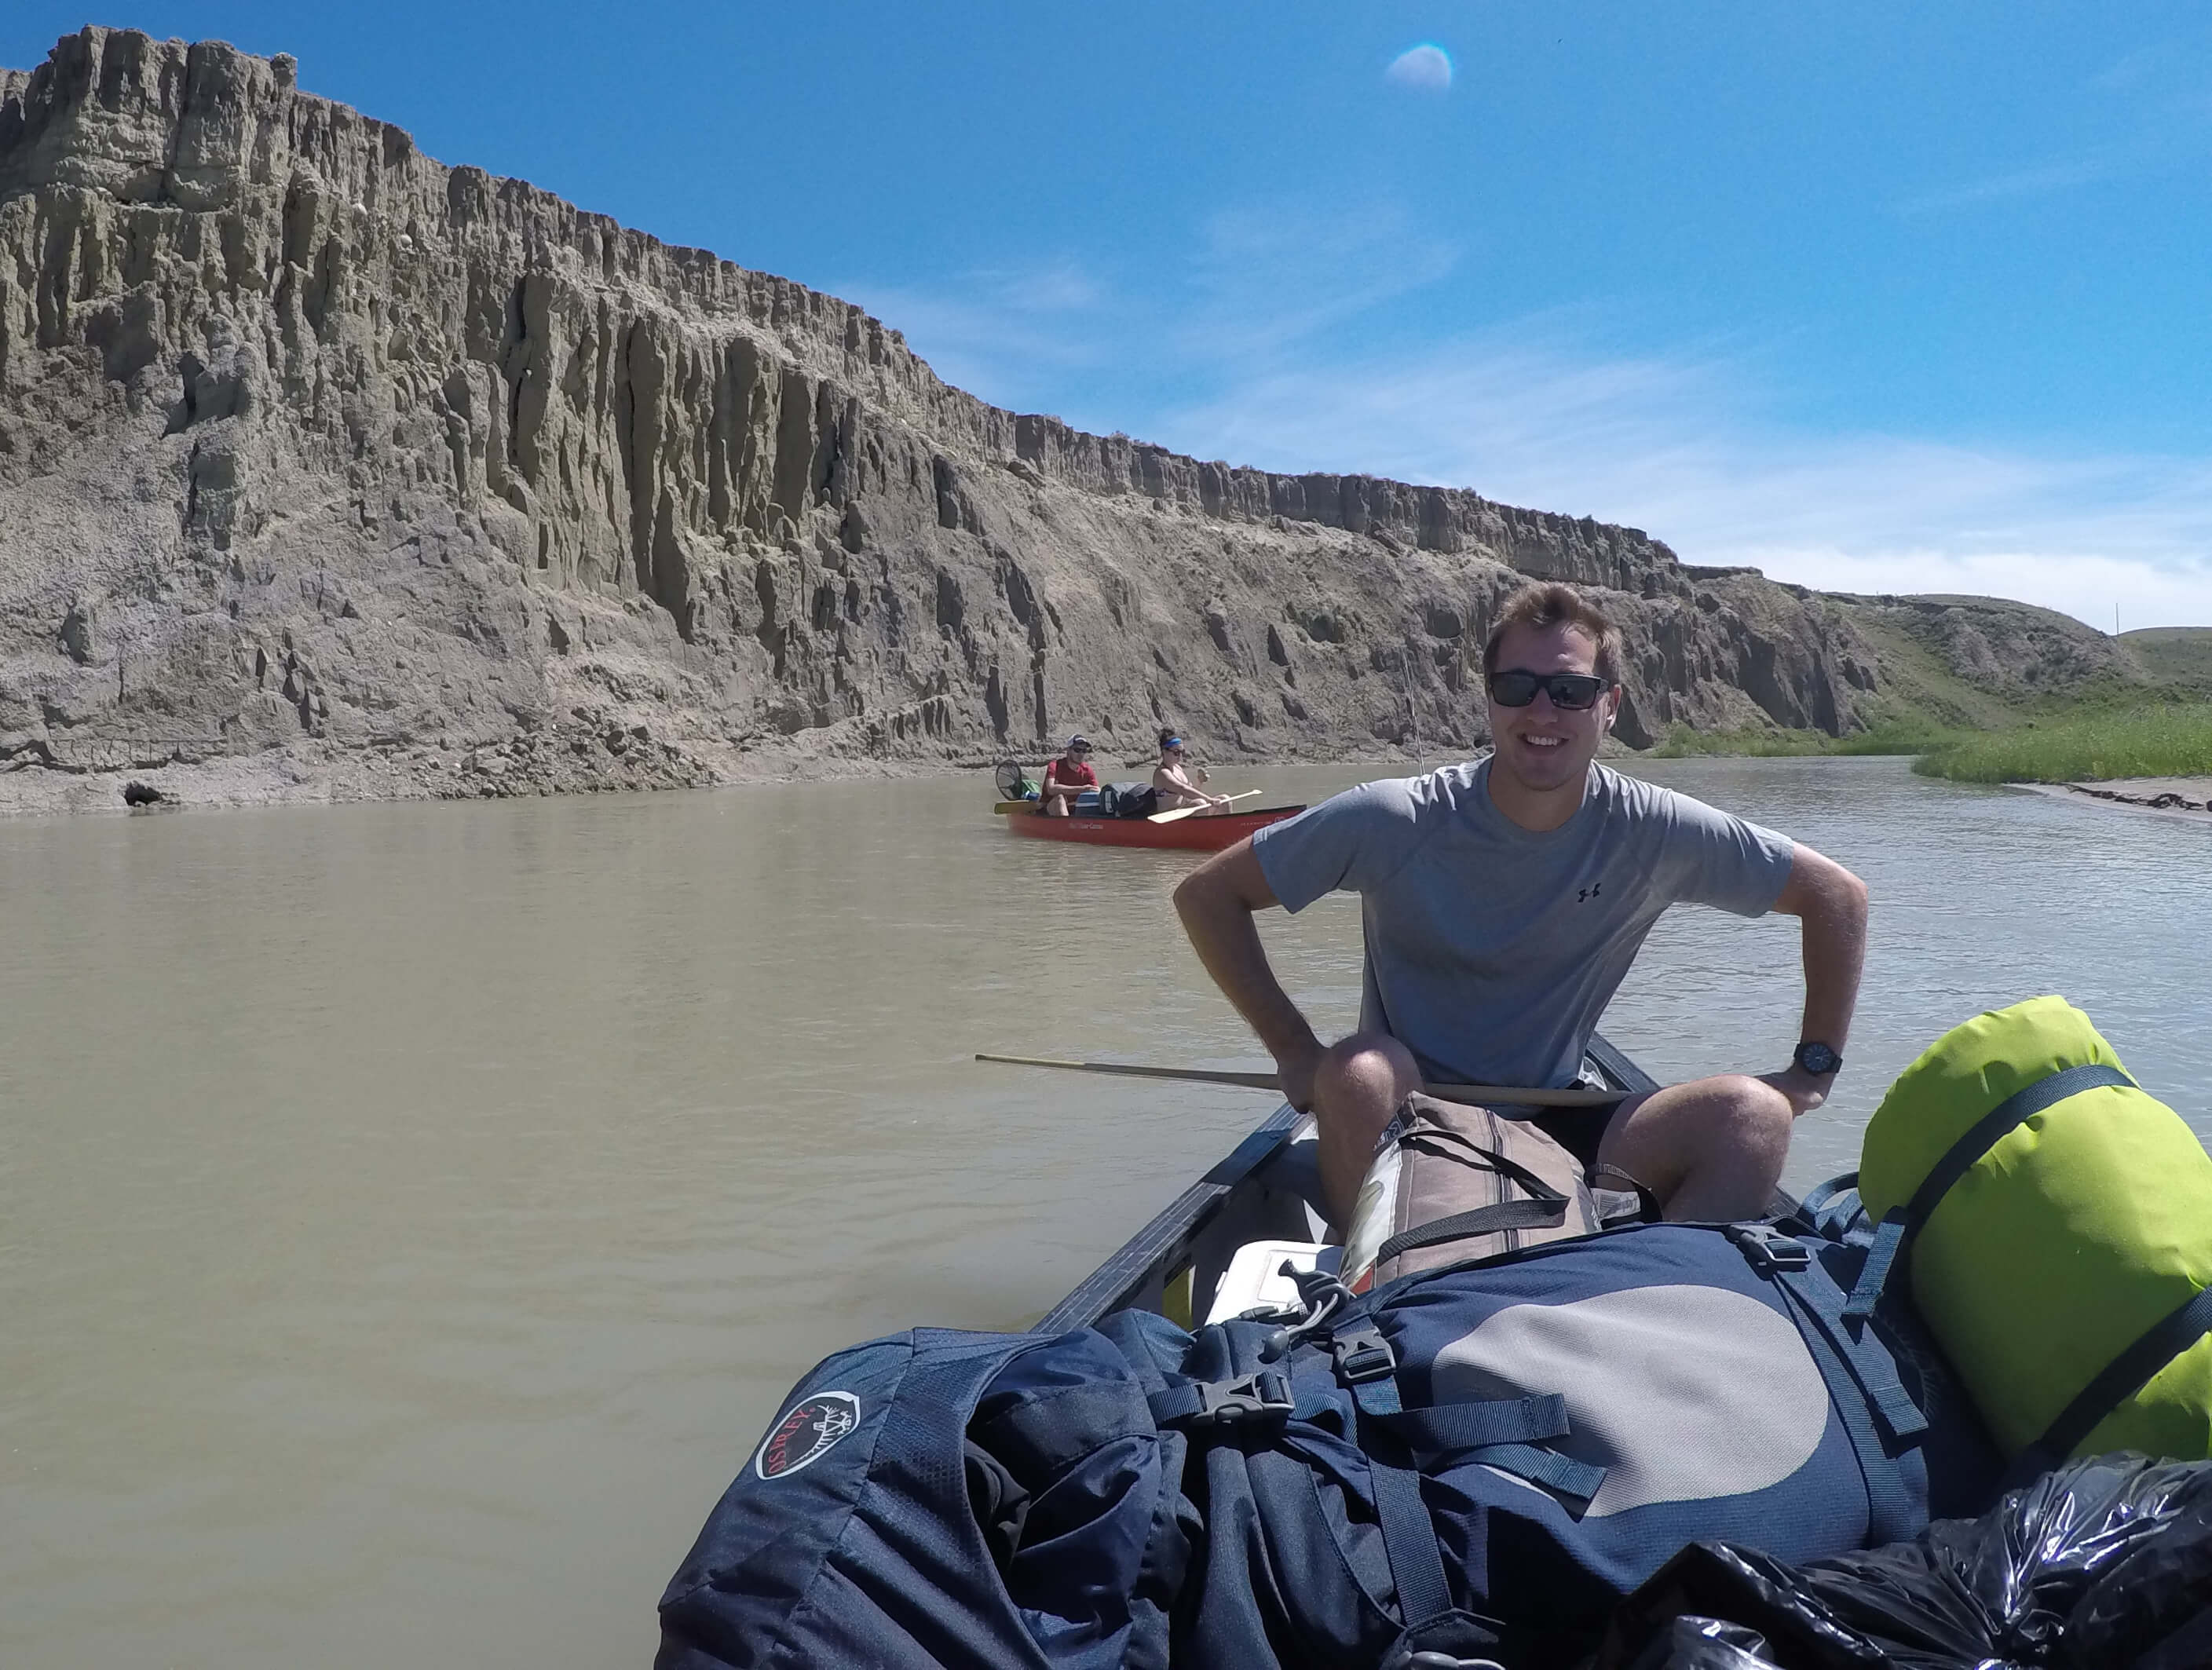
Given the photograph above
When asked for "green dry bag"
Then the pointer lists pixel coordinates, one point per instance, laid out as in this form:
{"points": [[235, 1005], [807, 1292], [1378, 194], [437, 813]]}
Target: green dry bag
{"points": [[2055, 1223]]}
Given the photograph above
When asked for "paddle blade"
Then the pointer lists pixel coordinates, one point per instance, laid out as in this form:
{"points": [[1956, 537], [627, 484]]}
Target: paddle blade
{"points": [[1189, 811]]}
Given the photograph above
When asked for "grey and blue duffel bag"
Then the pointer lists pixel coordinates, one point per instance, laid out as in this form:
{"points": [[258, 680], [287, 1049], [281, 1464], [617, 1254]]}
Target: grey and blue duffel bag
{"points": [[1473, 1463]]}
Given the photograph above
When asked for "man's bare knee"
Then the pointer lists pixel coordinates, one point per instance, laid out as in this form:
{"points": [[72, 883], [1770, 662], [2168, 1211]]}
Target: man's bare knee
{"points": [[1359, 1083], [1712, 1149], [1368, 1069], [1752, 1112]]}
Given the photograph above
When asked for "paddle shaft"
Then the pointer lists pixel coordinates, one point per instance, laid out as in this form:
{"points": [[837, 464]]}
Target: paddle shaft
{"points": [[1479, 1095]]}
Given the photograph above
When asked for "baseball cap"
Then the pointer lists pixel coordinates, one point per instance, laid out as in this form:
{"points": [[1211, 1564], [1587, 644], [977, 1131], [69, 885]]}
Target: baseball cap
{"points": [[1078, 740]]}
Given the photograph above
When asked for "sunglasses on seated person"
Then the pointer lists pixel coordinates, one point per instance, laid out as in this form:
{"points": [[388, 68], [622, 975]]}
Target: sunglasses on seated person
{"points": [[1573, 692]]}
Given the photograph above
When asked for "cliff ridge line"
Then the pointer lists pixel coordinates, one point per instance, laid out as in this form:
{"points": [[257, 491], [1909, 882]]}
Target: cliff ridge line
{"points": [[315, 450]]}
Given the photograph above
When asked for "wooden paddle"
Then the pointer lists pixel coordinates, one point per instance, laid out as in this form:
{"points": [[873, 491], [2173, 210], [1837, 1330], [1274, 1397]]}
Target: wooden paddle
{"points": [[1186, 811], [1479, 1095]]}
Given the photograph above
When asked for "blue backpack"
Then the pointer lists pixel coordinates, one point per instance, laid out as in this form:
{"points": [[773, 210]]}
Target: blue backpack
{"points": [[1127, 800], [1478, 1461]]}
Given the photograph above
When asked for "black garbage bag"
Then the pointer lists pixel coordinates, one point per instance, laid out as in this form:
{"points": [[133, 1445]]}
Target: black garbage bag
{"points": [[2106, 1565]]}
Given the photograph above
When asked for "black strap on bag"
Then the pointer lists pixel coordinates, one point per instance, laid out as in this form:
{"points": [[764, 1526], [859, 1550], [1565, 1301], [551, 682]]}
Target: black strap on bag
{"points": [[2118, 1381], [1538, 1214], [1545, 1208], [1833, 1208], [1434, 1631], [1900, 1229]]}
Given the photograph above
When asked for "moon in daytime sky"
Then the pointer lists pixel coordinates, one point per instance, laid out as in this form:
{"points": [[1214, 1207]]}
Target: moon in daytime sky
{"points": [[1424, 68]]}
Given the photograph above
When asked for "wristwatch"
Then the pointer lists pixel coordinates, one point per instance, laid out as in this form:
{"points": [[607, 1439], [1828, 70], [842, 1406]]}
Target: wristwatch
{"points": [[1817, 1059]]}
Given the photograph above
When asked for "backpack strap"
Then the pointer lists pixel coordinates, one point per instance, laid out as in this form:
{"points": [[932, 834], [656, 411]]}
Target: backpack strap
{"points": [[1547, 1211], [1367, 1368], [1820, 1193], [1264, 1395], [1860, 1381], [1895, 1237], [1433, 1631], [1502, 1433], [2120, 1380], [1832, 1207]]}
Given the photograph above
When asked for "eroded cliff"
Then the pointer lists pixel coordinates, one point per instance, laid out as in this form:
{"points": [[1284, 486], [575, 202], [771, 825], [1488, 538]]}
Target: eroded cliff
{"points": [[398, 478]]}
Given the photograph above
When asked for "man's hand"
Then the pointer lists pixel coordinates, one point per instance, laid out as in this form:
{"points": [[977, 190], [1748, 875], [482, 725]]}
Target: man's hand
{"points": [[1802, 1091], [1294, 1071]]}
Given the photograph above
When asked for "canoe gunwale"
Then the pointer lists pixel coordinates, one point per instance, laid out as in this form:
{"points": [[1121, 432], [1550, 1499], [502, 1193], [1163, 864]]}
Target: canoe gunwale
{"points": [[1199, 834]]}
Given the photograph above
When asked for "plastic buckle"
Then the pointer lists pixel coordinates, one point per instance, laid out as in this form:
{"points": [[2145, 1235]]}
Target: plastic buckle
{"points": [[1223, 1402], [1768, 1249], [1362, 1355]]}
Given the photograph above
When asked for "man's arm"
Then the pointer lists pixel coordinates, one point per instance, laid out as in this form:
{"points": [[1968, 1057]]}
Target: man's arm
{"points": [[1831, 905], [1216, 901]]}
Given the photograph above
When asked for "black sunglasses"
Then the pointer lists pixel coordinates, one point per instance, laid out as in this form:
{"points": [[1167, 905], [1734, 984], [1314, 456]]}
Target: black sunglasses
{"points": [[1571, 690]]}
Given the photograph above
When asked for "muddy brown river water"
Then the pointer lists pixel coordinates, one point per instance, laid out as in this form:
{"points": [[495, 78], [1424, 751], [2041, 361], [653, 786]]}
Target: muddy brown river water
{"points": [[409, 1215]]}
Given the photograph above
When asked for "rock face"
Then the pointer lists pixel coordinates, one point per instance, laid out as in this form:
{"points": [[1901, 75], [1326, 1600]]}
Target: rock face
{"points": [[313, 448]]}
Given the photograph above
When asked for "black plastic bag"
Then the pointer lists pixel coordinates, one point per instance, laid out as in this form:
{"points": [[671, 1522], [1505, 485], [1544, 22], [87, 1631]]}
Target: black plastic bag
{"points": [[2106, 1565]]}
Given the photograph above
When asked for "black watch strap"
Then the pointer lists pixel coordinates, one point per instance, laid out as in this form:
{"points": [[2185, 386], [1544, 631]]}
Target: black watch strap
{"points": [[1818, 1059]]}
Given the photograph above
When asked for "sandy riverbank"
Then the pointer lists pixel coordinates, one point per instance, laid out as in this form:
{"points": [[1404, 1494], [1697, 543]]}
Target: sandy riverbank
{"points": [[509, 771], [295, 778]]}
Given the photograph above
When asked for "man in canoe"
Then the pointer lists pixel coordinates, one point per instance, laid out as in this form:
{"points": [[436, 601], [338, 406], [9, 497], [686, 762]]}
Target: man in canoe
{"points": [[1502, 902], [1176, 783], [1066, 777]]}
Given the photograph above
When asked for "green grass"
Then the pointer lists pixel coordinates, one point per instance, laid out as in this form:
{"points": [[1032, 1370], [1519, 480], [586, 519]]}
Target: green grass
{"points": [[2182, 655], [2089, 741], [1888, 736], [2161, 741]]}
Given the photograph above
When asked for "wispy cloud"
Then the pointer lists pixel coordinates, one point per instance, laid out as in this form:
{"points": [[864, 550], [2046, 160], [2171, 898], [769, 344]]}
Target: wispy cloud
{"points": [[1426, 67], [2130, 70], [1011, 334], [1256, 281], [1682, 445], [1228, 356], [2155, 112], [2021, 183], [1265, 278]]}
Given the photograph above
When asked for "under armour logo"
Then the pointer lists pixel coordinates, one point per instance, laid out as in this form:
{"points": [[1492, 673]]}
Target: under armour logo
{"points": [[1589, 892]]}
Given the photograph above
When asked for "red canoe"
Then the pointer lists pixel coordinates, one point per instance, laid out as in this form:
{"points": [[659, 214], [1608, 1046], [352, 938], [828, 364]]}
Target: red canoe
{"points": [[1190, 834]]}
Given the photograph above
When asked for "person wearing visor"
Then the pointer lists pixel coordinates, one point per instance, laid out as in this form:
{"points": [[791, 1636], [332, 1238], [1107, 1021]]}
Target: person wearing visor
{"points": [[1176, 783], [1066, 777], [1503, 901]]}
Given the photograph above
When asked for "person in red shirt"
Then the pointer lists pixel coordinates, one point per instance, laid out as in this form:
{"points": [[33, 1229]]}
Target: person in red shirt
{"points": [[1068, 776]]}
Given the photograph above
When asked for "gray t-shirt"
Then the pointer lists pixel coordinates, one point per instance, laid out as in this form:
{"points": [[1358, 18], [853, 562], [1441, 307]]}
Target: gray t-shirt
{"points": [[1493, 950]]}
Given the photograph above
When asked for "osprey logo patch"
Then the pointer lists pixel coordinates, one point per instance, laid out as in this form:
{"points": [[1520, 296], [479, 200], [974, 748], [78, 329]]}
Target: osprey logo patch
{"points": [[806, 1435]]}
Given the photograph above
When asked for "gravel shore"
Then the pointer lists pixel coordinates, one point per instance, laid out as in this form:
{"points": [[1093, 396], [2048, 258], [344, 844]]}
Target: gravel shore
{"points": [[2168, 794]]}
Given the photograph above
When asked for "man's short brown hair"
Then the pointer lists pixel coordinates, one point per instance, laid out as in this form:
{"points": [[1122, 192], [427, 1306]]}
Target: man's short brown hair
{"points": [[1542, 605]]}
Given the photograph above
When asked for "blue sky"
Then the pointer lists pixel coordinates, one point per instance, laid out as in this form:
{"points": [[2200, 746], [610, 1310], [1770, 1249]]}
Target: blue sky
{"points": [[1875, 296]]}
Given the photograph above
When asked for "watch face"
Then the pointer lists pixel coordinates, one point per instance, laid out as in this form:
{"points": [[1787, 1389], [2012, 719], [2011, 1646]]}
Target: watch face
{"points": [[1818, 1059]]}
